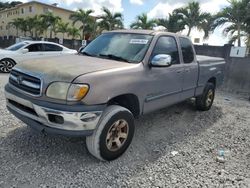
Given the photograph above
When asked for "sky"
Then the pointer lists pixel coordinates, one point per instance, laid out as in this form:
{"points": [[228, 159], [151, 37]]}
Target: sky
{"points": [[153, 8]]}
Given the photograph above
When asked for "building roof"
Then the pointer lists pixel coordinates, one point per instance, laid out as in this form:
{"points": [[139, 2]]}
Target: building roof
{"points": [[37, 2]]}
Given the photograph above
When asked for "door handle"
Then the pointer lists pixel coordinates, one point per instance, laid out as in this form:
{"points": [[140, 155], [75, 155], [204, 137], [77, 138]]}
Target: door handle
{"points": [[187, 70], [179, 71]]}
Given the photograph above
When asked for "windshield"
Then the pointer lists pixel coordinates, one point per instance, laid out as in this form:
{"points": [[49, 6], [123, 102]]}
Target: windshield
{"points": [[119, 46], [17, 46]]}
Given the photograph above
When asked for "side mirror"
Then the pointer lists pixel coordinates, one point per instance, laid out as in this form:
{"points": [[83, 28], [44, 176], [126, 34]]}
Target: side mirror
{"points": [[161, 60], [25, 50]]}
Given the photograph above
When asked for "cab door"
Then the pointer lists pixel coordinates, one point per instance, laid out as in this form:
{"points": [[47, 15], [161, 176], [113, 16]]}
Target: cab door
{"points": [[191, 69], [164, 84]]}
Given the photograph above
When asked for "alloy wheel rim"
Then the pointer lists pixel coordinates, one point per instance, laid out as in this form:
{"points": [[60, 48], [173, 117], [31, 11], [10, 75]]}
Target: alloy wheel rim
{"points": [[5, 66], [117, 135], [210, 97]]}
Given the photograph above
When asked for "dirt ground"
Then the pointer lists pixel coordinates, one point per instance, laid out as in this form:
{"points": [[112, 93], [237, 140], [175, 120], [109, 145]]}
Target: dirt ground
{"points": [[174, 147]]}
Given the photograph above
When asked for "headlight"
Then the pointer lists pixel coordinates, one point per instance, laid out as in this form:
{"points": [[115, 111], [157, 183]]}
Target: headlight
{"points": [[67, 91], [77, 92]]}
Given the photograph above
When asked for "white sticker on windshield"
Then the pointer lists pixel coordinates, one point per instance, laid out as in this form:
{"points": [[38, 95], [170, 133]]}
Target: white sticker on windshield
{"points": [[138, 41]]}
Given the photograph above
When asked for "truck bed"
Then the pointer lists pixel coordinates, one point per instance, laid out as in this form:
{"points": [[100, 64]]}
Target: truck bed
{"points": [[209, 67], [208, 59]]}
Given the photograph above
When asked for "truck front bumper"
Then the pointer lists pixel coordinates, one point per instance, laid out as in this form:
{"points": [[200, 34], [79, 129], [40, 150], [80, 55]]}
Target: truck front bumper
{"points": [[69, 120]]}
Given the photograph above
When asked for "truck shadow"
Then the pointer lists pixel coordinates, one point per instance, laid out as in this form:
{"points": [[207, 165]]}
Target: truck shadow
{"points": [[155, 137]]}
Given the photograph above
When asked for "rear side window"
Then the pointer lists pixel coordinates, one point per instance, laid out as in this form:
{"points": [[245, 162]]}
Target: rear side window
{"points": [[187, 50], [35, 48], [52, 48], [167, 45]]}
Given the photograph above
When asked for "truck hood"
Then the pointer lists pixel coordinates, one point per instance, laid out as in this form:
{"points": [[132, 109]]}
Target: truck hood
{"points": [[67, 68]]}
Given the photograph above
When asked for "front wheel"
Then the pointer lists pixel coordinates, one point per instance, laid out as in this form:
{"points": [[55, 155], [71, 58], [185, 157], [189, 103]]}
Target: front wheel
{"points": [[6, 65], [113, 134], [205, 101]]}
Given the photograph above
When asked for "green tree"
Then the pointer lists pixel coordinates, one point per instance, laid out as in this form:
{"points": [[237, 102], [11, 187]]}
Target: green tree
{"points": [[110, 21], [74, 33], [17, 24], [192, 15], [63, 28], [39, 26], [9, 5], [50, 21], [82, 16], [207, 25], [236, 15], [174, 23], [23, 25], [143, 22]]}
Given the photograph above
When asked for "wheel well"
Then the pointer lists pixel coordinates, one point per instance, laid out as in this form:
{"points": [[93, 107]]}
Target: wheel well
{"points": [[129, 101], [9, 59], [212, 80]]}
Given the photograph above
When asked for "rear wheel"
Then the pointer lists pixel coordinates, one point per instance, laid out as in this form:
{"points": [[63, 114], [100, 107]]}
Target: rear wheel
{"points": [[113, 134], [6, 65], [205, 101]]}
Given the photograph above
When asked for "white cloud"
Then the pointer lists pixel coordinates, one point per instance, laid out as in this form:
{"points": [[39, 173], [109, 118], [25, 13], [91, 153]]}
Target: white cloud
{"points": [[96, 5], [213, 6], [163, 8], [136, 2]]}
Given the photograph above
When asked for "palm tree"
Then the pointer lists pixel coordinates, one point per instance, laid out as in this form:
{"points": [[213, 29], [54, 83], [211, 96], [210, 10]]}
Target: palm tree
{"points": [[30, 24], [82, 16], [51, 21], [74, 33], [174, 23], [142, 22], [192, 15], [63, 28], [110, 21], [236, 15], [39, 26], [23, 25], [16, 23], [207, 25]]}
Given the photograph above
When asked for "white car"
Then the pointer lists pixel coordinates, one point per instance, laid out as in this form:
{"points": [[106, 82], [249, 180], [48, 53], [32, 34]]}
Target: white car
{"points": [[19, 52]]}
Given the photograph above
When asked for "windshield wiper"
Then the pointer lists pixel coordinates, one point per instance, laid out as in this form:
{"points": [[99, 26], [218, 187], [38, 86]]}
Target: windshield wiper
{"points": [[114, 57]]}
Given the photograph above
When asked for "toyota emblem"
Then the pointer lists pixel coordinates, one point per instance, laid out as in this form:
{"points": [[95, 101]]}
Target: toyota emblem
{"points": [[19, 80]]}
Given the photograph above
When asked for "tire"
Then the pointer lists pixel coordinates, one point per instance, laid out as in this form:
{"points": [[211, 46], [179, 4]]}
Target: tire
{"points": [[205, 101], [115, 122], [6, 65]]}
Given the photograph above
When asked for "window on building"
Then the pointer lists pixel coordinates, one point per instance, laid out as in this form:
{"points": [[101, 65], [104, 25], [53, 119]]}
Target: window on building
{"points": [[45, 9], [22, 10], [30, 9]]}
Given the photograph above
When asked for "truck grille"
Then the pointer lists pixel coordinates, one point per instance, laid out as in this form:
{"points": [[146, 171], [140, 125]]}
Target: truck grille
{"points": [[25, 82]]}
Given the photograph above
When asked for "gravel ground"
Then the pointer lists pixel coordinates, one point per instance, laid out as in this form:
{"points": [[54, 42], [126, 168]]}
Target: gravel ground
{"points": [[174, 147]]}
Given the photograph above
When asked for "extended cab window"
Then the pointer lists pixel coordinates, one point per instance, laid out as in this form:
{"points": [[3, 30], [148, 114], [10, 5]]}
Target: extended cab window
{"points": [[52, 48], [167, 45], [35, 48], [187, 50]]}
